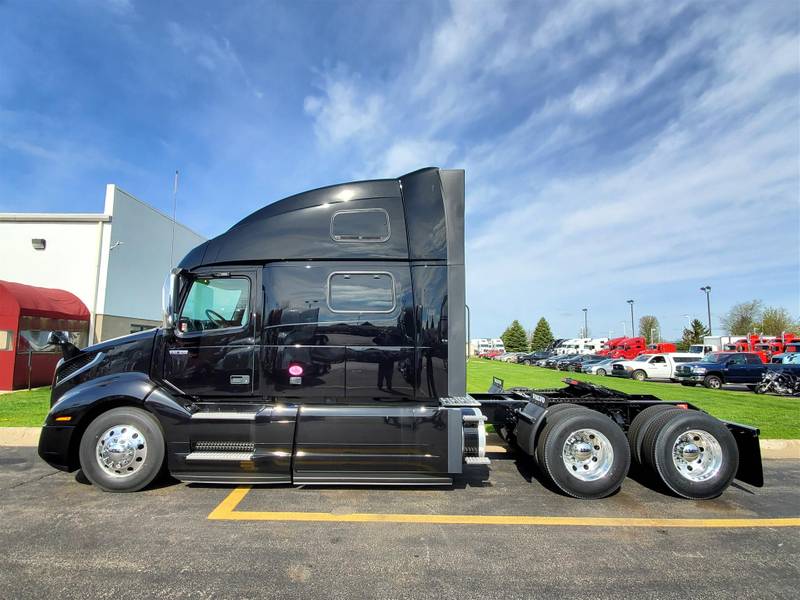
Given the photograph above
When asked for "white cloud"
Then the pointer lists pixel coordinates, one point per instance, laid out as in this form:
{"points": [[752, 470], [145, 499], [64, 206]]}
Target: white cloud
{"points": [[344, 111]]}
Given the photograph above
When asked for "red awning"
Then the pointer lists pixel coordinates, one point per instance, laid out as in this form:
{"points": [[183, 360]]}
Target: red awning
{"points": [[40, 302]]}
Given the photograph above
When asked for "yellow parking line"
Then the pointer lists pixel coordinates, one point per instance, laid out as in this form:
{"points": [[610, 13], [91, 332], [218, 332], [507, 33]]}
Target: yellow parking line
{"points": [[226, 511]]}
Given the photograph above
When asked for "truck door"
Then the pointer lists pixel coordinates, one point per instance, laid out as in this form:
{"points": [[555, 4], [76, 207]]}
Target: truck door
{"points": [[737, 369], [659, 368], [211, 354]]}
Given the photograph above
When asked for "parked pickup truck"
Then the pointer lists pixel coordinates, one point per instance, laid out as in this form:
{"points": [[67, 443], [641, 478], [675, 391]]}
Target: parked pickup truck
{"points": [[719, 368], [652, 366]]}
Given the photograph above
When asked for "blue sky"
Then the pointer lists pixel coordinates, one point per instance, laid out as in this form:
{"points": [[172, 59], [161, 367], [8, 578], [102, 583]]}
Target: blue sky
{"points": [[613, 149]]}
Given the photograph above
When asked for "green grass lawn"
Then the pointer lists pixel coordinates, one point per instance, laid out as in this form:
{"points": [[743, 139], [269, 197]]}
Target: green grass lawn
{"points": [[24, 408], [778, 418]]}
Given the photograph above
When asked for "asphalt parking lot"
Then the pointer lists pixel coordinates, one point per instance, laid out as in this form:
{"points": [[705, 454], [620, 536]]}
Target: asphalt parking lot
{"points": [[63, 538]]}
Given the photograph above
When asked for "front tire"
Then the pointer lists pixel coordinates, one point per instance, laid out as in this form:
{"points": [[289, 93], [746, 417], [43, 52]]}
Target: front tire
{"points": [[584, 453], [122, 450], [601, 372], [639, 375], [712, 382]]}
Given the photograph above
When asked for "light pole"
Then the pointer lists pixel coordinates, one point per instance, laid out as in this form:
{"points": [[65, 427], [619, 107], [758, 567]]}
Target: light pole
{"points": [[633, 329], [707, 290], [585, 322]]}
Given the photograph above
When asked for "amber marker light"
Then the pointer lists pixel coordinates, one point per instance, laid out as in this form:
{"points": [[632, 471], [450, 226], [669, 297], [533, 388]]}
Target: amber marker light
{"points": [[63, 419]]}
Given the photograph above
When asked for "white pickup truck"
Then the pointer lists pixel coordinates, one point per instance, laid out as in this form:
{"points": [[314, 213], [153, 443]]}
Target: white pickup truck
{"points": [[652, 366]]}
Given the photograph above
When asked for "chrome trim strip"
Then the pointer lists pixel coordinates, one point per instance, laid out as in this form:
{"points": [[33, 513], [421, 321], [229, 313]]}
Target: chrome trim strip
{"points": [[223, 416]]}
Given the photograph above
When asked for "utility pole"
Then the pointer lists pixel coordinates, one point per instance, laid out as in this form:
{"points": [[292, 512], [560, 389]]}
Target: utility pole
{"points": [[707, 290], [633, 329], [585, 322]]}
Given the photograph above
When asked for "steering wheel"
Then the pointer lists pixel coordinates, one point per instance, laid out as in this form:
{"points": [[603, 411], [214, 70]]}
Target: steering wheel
{"points": [[216, 318]]}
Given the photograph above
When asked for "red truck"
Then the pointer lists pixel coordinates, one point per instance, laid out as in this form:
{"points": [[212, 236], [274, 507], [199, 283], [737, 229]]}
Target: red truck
{"points": [[660, 348], [788, 342], [750, 344], [630, 348], [612, 345]]}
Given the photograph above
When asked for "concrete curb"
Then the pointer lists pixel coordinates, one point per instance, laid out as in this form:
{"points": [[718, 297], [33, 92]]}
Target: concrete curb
{"points": [[29, 436]]}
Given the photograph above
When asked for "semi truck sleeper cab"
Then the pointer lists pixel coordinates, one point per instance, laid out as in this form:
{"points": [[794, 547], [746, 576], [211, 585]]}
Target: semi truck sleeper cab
{"points": [[321, 340]]}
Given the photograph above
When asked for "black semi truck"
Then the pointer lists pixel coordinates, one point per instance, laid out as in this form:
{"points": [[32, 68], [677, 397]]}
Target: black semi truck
{"points": [[322, 340]]}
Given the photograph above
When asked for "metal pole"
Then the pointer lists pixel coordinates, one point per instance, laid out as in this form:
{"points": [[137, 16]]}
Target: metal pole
{"points": [[585, 322], [30, 366], [708, 305], [633, 328]]}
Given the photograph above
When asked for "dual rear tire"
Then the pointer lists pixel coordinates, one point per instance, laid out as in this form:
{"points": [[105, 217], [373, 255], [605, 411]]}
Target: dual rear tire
{"points": [[693, 454], [582, 452]]}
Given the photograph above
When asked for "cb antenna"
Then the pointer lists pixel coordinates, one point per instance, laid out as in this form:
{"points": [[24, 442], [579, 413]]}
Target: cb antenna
{"points": [[174, 210]]}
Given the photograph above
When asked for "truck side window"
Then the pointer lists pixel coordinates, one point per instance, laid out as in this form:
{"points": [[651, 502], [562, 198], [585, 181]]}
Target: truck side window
{"points": [[658, 360], [360, 225], [215, 304], [738, 360], [753, 360], [361, 292]]}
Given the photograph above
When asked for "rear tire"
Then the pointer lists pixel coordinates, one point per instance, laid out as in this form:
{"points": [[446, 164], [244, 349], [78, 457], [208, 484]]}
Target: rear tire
{"points": [[694, 454], [639, 375], [584, 453], [712, 382], [122, 450], [639, 426]]}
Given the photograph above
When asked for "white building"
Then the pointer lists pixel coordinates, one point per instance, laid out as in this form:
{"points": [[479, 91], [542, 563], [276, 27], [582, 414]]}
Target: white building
{"points": [[114, 261]]}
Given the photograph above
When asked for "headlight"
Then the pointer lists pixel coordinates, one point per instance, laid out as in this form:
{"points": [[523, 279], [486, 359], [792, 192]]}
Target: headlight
{"points": [[698, 369], [627, 368]]}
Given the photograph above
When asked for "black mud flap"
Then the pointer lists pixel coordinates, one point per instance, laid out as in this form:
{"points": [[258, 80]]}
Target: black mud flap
{"points": [[750, 468]]}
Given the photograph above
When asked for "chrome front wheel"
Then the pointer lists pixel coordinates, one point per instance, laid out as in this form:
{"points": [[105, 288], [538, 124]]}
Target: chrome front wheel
{"points": [[121, 450]]}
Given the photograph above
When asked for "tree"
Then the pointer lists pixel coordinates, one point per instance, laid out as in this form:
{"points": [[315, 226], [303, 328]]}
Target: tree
{"points": [[542, 336], [775, 320], [514, 338], [693, 334], [649, 328], [743, 318]]}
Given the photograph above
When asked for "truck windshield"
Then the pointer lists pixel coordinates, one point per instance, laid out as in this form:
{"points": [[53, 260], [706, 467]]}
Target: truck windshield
{"points": [[642, 358]]}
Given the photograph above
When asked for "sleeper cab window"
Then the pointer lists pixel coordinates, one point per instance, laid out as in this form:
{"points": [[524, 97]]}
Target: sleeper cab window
{"points": [[215, 303], [361, 292], [360, 225]]}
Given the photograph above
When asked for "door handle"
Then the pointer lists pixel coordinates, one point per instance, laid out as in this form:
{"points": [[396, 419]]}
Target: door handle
{"points": [[240, 379]]}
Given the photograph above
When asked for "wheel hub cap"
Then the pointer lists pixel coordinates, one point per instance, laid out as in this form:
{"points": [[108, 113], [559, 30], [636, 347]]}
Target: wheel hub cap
{"points": [[587, 455], [121, 450], [697, 455]]}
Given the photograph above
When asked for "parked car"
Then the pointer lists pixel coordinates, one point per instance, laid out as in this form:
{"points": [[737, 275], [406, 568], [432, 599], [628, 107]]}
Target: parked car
{"points": [[585, 359], [719, 368], [652, 366], [529, 358], [553, 362], [786, 358], [601, 367], [566, 364], [508, 356]]}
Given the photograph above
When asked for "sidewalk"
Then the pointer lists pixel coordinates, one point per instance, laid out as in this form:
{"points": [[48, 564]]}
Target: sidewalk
{"points": [[29, 436]]}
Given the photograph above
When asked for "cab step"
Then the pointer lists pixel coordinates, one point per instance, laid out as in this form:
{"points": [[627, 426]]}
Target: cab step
{"points": [[477, 460]]}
